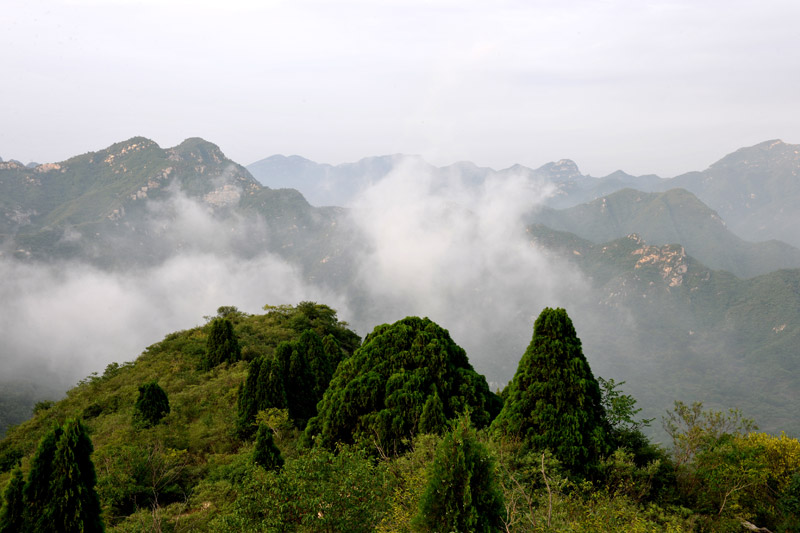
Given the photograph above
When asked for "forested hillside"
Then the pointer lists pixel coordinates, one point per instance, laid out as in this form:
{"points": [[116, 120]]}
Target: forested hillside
{"points": [[209, 430], [120, 244]]}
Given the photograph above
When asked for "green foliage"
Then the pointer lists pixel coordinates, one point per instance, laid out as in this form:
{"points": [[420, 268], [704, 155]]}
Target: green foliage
{"points": [[73, 505], [190, 472], [222, 345], [462, 492], [554, 401], [294, 378], [692, 429], [11, 515], [265, 453], [151, 406], [789, 505], [37, 488], [620, 409], [377, 395], [432, 420], [318, 491]]}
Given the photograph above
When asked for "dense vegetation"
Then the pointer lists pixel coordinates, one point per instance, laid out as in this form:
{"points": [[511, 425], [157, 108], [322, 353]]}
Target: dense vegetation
{"points": [[403, 441]]}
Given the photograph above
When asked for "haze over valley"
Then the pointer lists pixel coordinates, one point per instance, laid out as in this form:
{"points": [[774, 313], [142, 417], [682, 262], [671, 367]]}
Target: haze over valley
{"points": [[106, 252]]}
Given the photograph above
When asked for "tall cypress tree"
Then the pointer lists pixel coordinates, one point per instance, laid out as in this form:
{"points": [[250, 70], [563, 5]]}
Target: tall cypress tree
{"points": [[36, 492], [462, 493], [74, 505], [247, 401], [222, 345], [12, 513], [554, 401]]}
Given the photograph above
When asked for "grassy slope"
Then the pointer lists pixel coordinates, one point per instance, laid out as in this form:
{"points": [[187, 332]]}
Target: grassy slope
{"points": [[181, 456]]}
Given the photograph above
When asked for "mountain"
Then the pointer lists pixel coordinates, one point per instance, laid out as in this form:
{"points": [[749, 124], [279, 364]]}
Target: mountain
{"points": [[134, 205], [675, 216], [706, 333], [122, 206], [755, 189], [324, 184]]}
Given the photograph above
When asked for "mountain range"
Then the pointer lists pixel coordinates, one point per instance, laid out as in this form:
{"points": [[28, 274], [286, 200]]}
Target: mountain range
{"points": [[677, 300]]}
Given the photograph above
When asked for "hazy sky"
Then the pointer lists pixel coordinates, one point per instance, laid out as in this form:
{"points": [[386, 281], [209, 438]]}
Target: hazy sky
{"points": [[649, 87]]}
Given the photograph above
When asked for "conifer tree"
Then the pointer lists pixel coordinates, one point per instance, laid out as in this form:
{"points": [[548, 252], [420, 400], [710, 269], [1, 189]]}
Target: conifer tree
{"points": [[332, 351], [222, 345], [271, 389], [12, 513], [247, 400], [265, 453], [554, 401], [74, 505], [462, 493], [36, 493], [432, 419], [151, 406], [318, 362], [377, 395]]}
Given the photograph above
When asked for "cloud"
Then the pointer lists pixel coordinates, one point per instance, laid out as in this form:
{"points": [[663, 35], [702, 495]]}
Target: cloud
{"points": [[440, 247], [65, 320]]}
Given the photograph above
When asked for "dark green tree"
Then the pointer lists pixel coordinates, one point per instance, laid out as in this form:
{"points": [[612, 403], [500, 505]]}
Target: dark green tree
{"points": [[247, 400], [36, 493], [12, 513], [74, 505], [295, 378], [432, 419], [554, 401], [333, 351], [463, 493], [377, 395], [151, 406], [222, 345], [265, 453]]}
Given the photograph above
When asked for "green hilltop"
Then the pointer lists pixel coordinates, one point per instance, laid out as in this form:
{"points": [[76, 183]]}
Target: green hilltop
{"points": [[188, 469]]}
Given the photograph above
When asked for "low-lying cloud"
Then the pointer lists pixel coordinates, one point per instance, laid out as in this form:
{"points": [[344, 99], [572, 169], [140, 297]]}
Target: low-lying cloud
{"points": [[439, 246], [429, 245]]}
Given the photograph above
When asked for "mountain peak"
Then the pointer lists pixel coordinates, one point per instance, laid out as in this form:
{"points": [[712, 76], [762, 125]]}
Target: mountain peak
{"points": [[561, 170], [198, 150]]}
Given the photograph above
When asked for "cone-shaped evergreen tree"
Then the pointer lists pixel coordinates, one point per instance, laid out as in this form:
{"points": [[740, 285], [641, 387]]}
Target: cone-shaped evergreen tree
{"points": [[222, 345], [318, 363], [462, 493], [333, 352], [271, 390], [432, 419], [377, 395], [12, 513], [37, 489], [247, 401], [554, 401], [265, 453], [151, 406], [74, 505]]}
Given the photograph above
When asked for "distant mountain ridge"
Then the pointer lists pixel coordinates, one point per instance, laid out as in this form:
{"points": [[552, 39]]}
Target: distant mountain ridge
{"points": [[754, 189], [98, 206], [662, 311], [674, 216]]}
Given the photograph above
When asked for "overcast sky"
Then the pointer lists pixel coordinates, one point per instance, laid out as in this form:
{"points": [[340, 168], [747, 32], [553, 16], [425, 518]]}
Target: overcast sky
{"points": [[648, 87]]}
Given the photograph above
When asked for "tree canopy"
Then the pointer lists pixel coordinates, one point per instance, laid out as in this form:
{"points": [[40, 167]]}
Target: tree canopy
{"points": [[554, 401], [463, 493], [222, 345], [377, 396], [152, 404]]}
